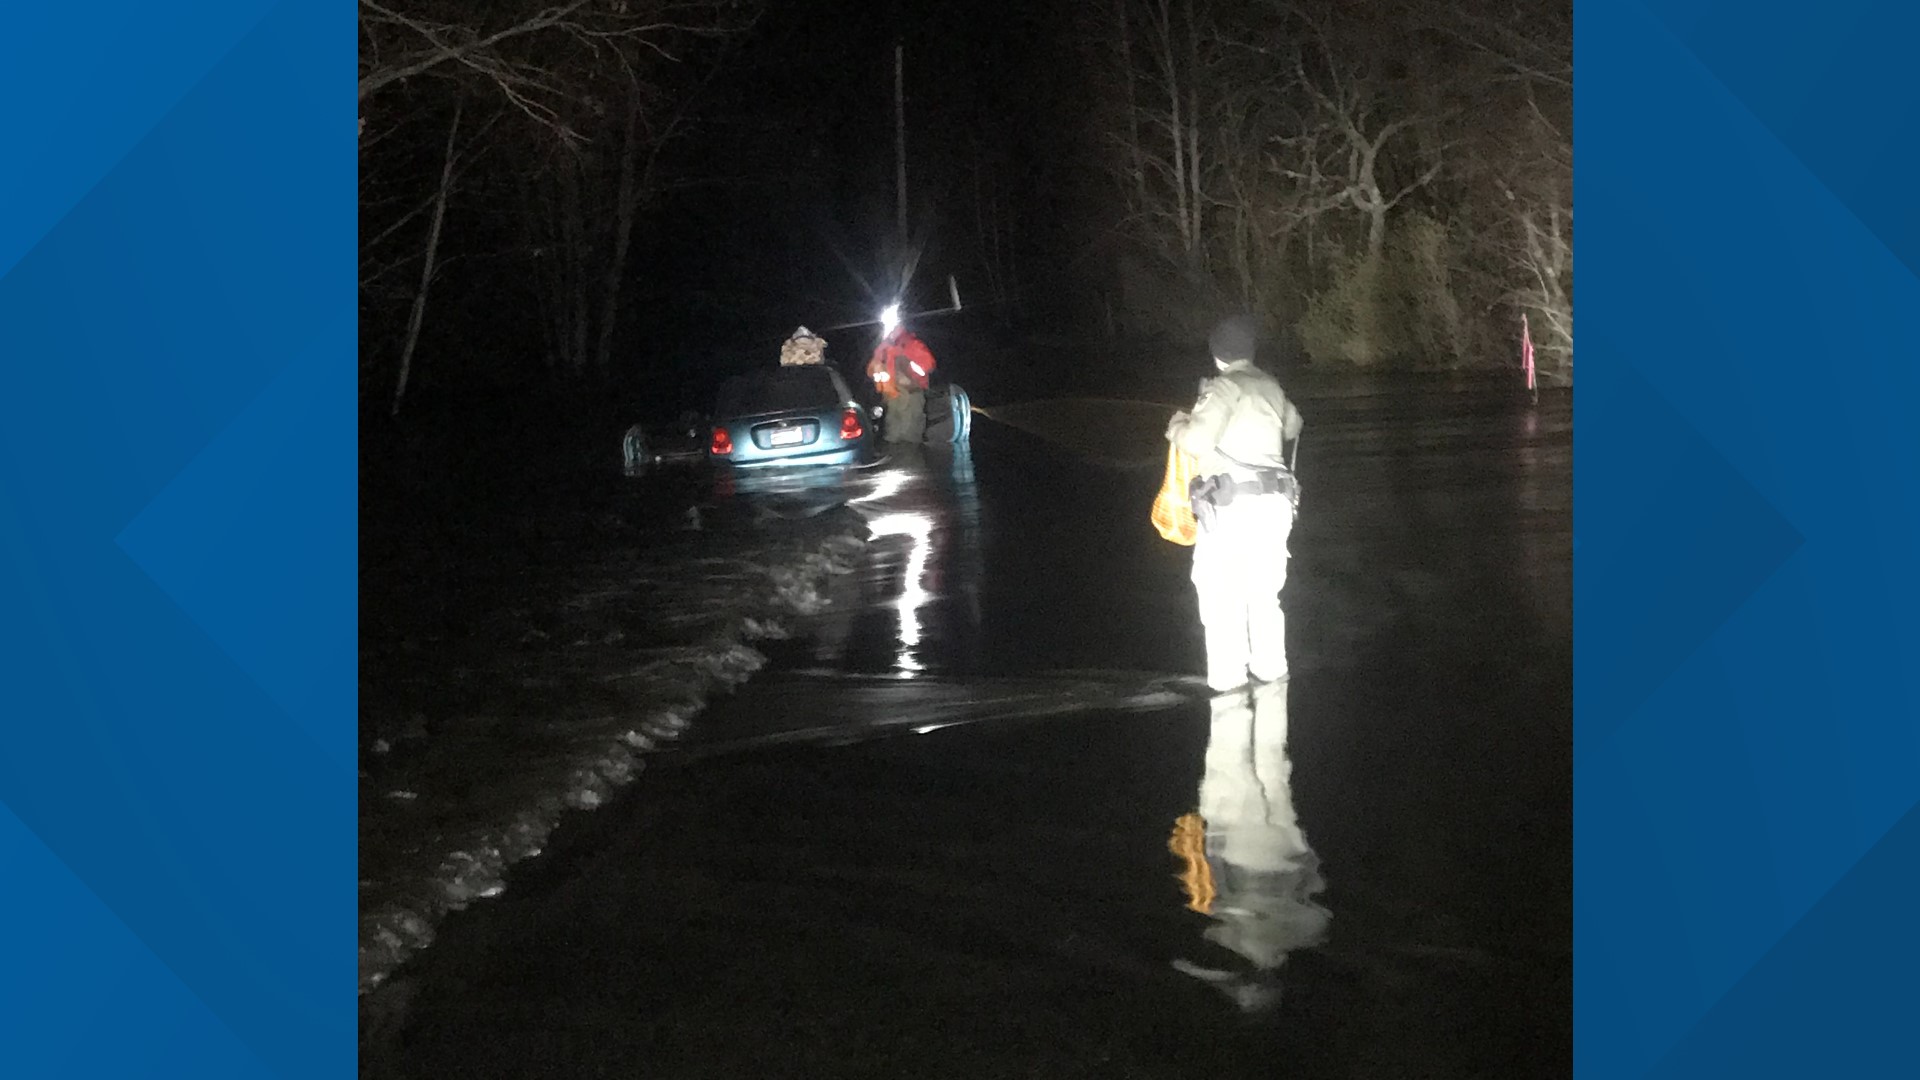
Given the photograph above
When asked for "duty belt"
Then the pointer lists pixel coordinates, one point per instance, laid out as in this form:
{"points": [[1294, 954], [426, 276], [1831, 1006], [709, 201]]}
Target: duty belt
{"points": [[1221, 489]]}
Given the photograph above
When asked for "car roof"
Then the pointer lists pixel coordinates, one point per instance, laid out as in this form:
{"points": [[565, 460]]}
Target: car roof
{"points": [[789, 378]]}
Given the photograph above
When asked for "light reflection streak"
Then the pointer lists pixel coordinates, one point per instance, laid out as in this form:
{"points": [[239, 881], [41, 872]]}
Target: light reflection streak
{"points": [[885, 486], [913, 589]]}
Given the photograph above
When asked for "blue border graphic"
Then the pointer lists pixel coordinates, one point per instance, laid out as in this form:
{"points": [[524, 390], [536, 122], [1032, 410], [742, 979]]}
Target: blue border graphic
{"points": [[178, 522], [1747, 753]]}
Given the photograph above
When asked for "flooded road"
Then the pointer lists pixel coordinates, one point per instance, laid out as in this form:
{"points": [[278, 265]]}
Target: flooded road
{"points": [[979, 819]]}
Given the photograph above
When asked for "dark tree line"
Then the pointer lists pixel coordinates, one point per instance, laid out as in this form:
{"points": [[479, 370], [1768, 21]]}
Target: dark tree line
{"points": [[546, 185], [508, 153], [1391, 182]]}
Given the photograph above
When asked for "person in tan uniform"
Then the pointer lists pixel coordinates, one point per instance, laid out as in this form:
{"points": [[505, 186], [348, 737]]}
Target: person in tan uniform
{"points": [[1245, 496]]}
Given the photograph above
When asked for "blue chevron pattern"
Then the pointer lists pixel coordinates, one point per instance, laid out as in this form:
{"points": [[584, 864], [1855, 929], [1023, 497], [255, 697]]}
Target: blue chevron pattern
{"points": [[177, 539], [1748, 762]]}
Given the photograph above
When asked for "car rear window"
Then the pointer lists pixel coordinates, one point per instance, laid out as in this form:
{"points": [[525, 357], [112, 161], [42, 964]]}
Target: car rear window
{"points": [[779, 390]]}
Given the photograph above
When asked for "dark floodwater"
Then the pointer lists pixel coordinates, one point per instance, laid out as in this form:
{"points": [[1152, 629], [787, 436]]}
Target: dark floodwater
{"points": [[979, 822]]}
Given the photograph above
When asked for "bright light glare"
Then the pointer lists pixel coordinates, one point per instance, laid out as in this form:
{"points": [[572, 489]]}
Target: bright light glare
{"points": [[890, 318]]}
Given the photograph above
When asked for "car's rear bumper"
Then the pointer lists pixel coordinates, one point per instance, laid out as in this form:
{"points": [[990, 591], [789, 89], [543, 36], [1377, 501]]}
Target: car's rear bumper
{"points": [[759, 459]]}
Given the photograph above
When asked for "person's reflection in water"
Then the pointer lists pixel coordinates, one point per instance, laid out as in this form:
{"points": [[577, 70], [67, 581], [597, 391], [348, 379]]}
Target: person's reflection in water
{"points": [[1248, 865]]}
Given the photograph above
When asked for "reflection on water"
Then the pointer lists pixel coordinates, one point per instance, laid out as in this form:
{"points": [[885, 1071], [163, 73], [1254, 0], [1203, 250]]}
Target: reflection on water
{"points": [[885, 485], [913, 588], [928, 499], [959, 577], [824, 707], [778, 480], [963, 471], [1245, 862]]}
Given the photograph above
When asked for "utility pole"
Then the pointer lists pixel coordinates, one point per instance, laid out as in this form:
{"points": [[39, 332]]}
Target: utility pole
{"points": [[900, 136]]}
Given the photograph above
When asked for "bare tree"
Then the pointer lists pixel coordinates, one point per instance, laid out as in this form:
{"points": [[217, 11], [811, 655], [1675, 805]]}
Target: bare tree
{"points": [[1265, 151], [427, 264], [1173, 49], [1533, 44], [993, 225], [1352, 108], [626, 204], [644, 141], [576, 74], [1148, 54], [1525, 155], [1258, 200], [1123, 51], [1537, 243], [1353, 156], [519, 53]]}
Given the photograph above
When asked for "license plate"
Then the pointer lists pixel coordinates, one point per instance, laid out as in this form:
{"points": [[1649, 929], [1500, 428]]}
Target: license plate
{"points": [[786, 436]]}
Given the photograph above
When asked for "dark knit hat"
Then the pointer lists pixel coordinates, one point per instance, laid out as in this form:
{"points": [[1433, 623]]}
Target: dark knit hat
{"points": [[1234, 338]]}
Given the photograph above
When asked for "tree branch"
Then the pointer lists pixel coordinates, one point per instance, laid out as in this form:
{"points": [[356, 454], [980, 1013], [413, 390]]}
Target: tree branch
{"points": [[441, 52]]}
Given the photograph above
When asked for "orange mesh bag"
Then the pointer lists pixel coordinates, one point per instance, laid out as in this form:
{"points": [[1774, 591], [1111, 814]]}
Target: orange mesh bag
{"points": [[1189, 843], [1172, 513]]}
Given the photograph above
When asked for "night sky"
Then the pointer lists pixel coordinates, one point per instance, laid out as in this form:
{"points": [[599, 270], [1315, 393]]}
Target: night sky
{"points": [[809, 129]]}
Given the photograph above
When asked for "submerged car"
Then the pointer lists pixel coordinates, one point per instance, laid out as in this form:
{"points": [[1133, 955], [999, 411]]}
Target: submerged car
{"points": [[792, 415]]}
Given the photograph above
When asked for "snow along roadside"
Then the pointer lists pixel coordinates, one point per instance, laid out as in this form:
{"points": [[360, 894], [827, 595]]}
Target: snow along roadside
{"points": [[434, 840]]}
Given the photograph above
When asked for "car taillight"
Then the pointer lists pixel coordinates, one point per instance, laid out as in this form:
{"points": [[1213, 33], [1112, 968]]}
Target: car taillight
{"points": [[850, 425], [722, 442]]}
